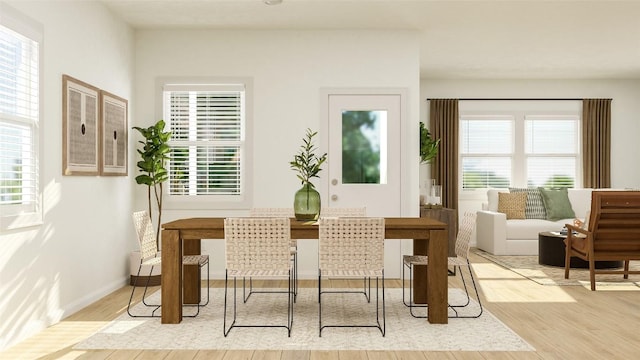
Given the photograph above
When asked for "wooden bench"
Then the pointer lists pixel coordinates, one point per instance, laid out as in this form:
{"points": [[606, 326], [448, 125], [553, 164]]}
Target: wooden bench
{"points": [[612, 233]]}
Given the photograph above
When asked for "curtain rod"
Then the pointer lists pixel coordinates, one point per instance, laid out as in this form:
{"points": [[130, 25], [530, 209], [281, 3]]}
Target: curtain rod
{"points": [[518, 99]]}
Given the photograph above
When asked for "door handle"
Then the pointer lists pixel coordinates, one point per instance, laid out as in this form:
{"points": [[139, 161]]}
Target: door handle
{"points": [[334, 197], [334, 182]]}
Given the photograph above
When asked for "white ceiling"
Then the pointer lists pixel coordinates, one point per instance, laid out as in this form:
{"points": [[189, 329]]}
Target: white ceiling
{"points": [[458, 39]]}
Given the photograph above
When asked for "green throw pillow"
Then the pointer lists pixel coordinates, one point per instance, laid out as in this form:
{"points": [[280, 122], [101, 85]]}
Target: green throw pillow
{"points": [[556, 204]]}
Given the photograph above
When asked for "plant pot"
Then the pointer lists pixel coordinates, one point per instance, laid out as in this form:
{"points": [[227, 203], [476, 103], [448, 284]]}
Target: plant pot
{"points": [[141, 280], [306, 203]]}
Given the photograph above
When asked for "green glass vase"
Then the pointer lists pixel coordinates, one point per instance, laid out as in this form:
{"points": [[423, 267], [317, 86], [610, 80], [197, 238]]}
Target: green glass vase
{"points": [[306, 203]]}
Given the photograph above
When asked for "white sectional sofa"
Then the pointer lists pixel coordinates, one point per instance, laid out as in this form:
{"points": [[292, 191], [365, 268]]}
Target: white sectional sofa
{"points": [[499, 236]]}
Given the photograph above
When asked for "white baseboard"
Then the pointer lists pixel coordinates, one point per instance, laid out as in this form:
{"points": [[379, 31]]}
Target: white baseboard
{"points": [[92, 297]]}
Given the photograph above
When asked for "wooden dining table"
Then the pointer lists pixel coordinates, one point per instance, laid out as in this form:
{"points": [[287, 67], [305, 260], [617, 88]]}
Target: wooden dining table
{"points": [[181, 285]]}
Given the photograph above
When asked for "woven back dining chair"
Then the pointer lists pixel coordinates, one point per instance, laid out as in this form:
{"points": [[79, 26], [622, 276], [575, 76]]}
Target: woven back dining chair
{"points": [[149, 256], [352, 248], [260, 248], [461, 259], [281, 213], [349, 212]]}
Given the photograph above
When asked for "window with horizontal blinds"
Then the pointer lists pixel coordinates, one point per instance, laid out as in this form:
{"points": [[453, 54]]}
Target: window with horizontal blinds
{"points": [[552, 150], [207, 143], [486, 148], [19, 123], [519, 149]]}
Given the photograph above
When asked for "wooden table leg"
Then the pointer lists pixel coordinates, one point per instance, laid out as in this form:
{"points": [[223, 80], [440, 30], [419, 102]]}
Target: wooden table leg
{"points": [[437, 277], [171, 277], [191, 280], [420, 247]]}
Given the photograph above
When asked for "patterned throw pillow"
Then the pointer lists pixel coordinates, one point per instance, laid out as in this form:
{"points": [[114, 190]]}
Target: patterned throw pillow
{"points": [[534, 208], [512, 204]]}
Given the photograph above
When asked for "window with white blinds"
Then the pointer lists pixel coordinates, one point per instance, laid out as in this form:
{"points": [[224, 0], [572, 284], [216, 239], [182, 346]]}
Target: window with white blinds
{"points": [[487, 151], [519, 150], [552, 150], [207, 122], [19, 123]]}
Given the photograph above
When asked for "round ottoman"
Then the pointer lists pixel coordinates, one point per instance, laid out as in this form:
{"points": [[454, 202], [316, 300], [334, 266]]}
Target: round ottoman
{"points": [[551, 251]]}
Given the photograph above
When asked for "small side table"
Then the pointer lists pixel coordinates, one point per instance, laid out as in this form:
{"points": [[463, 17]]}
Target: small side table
{"points": [[551, 251]]}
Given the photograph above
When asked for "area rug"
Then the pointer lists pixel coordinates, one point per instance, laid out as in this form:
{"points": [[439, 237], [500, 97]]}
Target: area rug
{"points": [[403, 332], [528, 267]]}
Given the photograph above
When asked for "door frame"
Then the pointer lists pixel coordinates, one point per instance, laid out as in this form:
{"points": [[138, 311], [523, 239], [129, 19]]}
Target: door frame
{"points": [[406, 169], [409, 164]]}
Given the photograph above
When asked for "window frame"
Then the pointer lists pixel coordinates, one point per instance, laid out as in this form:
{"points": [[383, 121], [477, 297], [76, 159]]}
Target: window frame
{"points": [[32, 215], [577, 154], [208, 201], [494, 116], [570, 109]]}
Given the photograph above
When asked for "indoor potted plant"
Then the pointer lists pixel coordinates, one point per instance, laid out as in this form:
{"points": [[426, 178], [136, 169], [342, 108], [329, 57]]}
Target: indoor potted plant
{"points": [[428, 150], [307, 164], [428, 146], [153, 156]]}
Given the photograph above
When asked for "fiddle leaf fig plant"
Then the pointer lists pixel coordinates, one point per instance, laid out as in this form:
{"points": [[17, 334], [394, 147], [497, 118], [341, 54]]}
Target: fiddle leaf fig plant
{"points": [[306, 163], [428, 146], [153, 156]]}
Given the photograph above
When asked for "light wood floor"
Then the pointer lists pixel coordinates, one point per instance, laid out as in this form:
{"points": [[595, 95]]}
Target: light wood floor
{"points": [[561, 322]]}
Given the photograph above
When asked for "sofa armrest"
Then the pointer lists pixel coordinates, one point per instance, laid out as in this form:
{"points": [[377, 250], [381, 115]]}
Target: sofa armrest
{"points": [[491, 230]]}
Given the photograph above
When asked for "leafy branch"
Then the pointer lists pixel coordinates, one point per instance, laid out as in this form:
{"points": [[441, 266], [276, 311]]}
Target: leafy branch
{"points": [[306, 163], [428, 146]]}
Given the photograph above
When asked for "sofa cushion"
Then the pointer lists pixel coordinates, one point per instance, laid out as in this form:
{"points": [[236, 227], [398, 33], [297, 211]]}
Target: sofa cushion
{"points": [[534, 208], [512, 204], [530, 228], [492, 199], [556, 204]]}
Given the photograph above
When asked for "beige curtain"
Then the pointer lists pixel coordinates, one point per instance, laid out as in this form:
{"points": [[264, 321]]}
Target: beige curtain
{"points": [[444, 125], [596, 142]]}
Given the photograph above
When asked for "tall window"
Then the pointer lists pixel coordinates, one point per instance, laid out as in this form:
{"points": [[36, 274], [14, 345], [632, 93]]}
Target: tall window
{"points": [[487, 151], [551, 149], [20, 198], [520, 150], [208, 142]]}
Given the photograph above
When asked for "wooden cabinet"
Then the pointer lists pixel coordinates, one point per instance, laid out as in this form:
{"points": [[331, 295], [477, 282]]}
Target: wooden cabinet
{"points": [[448, 216]]}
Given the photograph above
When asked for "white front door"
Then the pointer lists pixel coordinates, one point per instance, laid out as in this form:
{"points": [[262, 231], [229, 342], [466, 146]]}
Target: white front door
{"points": [[364, 159]]}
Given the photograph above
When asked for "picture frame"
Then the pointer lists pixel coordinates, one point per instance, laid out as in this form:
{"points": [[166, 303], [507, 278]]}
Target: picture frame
{"points": [[113, 135], [80, 127]]}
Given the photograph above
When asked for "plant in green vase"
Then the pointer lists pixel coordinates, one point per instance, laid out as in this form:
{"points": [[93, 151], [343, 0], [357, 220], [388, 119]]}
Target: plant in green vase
{"points": [[307, 164], [153, 155]]}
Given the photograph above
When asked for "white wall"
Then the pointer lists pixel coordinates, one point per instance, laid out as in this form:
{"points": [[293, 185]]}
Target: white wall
{"points": [[625, 113], [289, 69], [80, 253]]}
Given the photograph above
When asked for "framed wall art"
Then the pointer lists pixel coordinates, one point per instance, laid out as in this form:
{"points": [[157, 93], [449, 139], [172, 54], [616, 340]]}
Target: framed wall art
{"points": [[114, 135], [80, 129]]}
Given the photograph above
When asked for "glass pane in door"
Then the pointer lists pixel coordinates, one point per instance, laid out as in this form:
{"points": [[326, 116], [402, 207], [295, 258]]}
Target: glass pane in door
{"points": [[364, 147]]}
